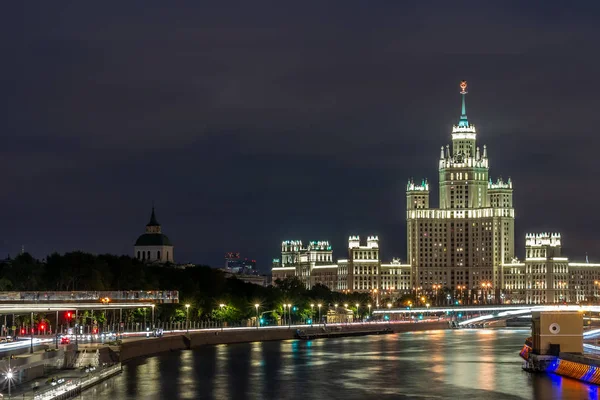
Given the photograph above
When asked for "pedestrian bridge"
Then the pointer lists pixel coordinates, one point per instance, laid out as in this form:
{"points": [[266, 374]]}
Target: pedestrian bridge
{"points": [[18, 302]]}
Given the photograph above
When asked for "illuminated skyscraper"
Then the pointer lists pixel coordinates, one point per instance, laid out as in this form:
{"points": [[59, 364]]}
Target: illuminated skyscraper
{"points": [[465, 241], [462, 252]]}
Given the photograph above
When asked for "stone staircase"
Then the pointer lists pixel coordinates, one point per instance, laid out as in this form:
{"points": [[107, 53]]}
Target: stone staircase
{"points": [[85, 358]]}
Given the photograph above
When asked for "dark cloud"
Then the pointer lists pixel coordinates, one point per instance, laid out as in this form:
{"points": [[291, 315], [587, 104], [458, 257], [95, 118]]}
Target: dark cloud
{"points": [[249, 123]]}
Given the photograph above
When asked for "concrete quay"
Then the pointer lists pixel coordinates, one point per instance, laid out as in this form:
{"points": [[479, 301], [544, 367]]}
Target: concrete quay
{"points": [[142, 347]]}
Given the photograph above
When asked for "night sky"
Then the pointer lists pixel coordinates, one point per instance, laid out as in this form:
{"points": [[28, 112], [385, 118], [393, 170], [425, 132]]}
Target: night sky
{"points": [[248, 123]]}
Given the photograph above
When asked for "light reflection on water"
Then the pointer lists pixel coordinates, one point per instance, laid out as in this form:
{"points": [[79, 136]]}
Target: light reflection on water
{"points": [[476, 364]]}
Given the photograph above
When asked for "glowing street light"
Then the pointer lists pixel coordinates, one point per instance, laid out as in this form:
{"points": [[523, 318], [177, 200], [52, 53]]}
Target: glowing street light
{"points": [[312, 312], [257, 322], [9, 377], [357, 305], [319, 305], [187, 317], [222, 322]]}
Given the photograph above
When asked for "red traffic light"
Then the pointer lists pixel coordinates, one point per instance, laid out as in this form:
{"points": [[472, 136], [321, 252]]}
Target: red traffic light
{"points": [[42, 326], [22, 331], [68, 314]]}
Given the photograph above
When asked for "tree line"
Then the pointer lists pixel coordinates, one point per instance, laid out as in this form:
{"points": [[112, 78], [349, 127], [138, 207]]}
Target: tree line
{"points": [[210, 293]]}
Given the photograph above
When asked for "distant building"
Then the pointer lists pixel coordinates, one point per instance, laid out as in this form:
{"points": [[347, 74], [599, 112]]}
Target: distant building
{"points": [[362, 271], [153, 246], [260, 280], [236, 265], [547, 277]]}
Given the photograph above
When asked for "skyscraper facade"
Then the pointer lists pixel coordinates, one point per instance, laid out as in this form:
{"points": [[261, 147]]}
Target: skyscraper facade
{"points": [[465, 241], [462, 252]]}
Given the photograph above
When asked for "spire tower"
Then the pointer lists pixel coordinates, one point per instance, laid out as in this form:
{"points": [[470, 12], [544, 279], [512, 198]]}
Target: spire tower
{"points": [[463, 129], [463, 122]]}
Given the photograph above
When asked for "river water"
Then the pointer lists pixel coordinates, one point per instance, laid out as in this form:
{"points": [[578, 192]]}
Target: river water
{"points": [[449, 364]]}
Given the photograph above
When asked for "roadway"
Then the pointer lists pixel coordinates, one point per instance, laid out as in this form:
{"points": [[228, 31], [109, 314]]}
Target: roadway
{"points": [[487, 308]]}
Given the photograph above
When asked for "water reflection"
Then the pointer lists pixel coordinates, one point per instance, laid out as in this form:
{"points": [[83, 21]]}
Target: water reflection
{"points": [[441, 365]]}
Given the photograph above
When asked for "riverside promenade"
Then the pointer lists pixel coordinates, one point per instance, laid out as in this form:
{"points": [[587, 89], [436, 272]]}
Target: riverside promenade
{"points": [[134, 347]]}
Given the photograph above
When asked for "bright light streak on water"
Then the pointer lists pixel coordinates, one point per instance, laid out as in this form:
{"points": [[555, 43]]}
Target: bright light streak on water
{"points": [[471, 364]]}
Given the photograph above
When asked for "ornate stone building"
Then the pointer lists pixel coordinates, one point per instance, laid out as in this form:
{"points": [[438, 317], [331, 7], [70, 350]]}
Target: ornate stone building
{"points": [[464, 248], [153, 246], [466, 240], [547, 277], [362, 271]]}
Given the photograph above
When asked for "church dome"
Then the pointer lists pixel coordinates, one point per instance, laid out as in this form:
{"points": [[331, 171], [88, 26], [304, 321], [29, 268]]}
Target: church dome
{"points": [[153, 239]]}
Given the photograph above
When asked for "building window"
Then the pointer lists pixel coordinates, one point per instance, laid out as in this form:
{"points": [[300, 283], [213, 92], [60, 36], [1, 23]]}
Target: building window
{"points": [[138, 256], [158, 254], [148, 255]]}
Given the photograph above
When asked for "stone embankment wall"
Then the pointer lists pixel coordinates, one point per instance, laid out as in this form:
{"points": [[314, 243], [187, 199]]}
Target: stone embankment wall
{"points": [[146, 347]]}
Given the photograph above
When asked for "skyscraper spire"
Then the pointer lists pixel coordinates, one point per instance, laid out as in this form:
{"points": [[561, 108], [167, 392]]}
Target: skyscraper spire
{"points": [[463, 122]]}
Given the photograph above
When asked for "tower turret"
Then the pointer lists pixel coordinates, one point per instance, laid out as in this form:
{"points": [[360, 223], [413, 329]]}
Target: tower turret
{"points": [[353, 241], [373, 242], [500, 193], [417, 195]]}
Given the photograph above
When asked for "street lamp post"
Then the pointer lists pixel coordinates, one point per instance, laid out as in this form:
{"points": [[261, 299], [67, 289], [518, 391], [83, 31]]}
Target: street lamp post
{"points": [[312, 313], [336, 312], [319, 306], [187, 317], [152, 316], [221, 308], [256, 306], [31, 346], [369, 307], [357, 317], [376, 298], [346, 311], [55, 329], [77, 327], [284, 321], [9, 376], [290, 314]]}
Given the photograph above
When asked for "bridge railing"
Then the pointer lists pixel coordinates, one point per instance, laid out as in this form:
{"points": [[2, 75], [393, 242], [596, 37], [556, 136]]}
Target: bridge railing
{"points": [[157, 296]]}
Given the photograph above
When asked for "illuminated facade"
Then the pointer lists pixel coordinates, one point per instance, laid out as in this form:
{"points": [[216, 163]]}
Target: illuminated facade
{"points": [[465, 248], [464, 242], [362, 271], [546, 277]]}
